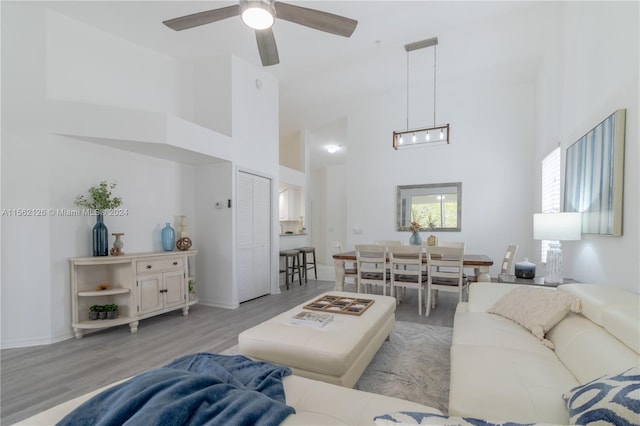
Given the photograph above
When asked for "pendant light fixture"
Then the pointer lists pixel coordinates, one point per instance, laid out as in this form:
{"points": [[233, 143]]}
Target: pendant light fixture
{"points": [[424, 136]]}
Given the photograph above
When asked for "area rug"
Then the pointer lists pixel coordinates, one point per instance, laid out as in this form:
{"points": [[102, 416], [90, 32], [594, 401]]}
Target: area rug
{"points": [[413, 365]]}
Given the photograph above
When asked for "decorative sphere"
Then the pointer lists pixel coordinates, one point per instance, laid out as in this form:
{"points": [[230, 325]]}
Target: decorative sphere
{"points": [[184, 243]]}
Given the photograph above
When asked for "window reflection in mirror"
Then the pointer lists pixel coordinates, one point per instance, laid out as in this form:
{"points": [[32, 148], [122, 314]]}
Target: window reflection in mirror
{"points": [[436, 207]]}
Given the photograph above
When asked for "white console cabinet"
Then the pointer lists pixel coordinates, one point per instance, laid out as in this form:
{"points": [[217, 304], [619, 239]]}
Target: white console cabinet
{"points": [[142, 285]]}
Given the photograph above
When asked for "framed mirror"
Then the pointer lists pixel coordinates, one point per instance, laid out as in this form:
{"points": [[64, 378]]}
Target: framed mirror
{"points": [[436, 207]]}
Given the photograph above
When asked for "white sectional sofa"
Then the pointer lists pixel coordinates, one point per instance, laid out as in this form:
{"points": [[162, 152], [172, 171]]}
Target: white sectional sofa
{"points": [[501, 371]]}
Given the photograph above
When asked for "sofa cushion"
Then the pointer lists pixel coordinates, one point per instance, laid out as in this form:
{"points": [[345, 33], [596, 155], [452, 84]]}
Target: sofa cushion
{"points": [[536, 309], [492, 382], [611, 400], [416, 418], [576, 336], [624, 324], [597, 298], [320, 403], [481, 329]]}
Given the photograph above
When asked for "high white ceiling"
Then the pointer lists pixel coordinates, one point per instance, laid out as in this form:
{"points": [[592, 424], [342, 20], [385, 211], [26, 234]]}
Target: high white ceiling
{"points": [[321, 75]]}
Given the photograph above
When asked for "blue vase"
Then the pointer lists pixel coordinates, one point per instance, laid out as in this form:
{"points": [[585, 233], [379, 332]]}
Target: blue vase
{"points": [[100, 237], [168, 238], [415, 239]]}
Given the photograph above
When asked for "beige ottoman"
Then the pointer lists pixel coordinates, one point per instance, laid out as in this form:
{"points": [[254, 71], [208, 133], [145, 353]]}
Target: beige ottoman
{"points": [[337, 353]]}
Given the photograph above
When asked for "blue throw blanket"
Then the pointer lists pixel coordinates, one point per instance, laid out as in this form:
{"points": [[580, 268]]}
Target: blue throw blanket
{"points": [[198, 389]]}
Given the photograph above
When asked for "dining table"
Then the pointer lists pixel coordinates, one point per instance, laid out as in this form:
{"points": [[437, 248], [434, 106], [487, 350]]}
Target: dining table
{"points": [[479, 262]]}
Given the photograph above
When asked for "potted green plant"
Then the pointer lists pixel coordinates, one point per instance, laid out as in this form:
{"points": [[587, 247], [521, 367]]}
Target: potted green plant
{"points": [[192, 289], [111, 310], [102, 313], [100, 200], [93, 312]]}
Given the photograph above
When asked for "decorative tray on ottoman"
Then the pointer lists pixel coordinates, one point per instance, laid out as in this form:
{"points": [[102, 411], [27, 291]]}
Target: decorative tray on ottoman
{"points": [[340, 305]]}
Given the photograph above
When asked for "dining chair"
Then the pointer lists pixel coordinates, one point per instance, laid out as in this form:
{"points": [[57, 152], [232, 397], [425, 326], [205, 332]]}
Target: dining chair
{"points": [[371, 261], [389, 243], [450, 243], [507, 262], [350, 268], [407, 270], [455, 244], [445, 269]]}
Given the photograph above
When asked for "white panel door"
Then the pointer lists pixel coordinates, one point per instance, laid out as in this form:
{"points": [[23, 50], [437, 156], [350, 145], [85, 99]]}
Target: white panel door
{"points": [[253, 236], [262, 234]]}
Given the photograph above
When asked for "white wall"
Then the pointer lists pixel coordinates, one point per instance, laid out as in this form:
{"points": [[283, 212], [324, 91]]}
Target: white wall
{"points": [[43, 170], [213, 99], [59, 58], [215, 264], [490, 153], [592, 71], [100, 68]]}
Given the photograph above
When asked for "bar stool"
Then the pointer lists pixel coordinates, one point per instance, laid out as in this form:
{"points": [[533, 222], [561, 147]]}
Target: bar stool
{"points": [[294, 267], [306, 261]]}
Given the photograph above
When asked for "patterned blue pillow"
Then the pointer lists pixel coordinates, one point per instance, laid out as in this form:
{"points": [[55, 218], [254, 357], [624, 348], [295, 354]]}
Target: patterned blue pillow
{"points": [[415, 418], [611, 400]]}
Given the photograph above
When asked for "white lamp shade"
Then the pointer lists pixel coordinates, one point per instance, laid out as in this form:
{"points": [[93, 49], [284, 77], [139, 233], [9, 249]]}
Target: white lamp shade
{"points": [[557, 226]]}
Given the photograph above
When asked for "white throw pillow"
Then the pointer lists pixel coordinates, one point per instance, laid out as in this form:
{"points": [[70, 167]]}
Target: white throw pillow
{"points": [[536, 309]]}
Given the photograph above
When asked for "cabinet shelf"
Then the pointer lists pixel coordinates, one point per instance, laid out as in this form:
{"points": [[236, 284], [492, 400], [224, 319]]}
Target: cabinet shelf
{"points": [[109, 292], [103, 323]]}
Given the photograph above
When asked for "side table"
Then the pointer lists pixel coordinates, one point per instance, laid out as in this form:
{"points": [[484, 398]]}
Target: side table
{"points": [[512, 279]]}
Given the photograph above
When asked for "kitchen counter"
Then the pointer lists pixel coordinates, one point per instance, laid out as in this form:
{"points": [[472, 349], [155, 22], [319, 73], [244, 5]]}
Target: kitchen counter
{"points": [[292, 241]]}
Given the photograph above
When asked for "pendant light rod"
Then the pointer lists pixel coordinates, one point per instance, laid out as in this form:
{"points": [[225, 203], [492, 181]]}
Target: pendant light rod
{"points": [[433, 41], [434, 82], [422, 44], [407, 91]]}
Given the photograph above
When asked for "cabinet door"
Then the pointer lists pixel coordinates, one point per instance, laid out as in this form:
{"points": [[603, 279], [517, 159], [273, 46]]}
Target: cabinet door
{"points": [[149, 296], [173, 288]]}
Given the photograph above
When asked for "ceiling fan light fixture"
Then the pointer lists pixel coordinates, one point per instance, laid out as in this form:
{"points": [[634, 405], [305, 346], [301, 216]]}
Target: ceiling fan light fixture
{"points": [[258, 15]]}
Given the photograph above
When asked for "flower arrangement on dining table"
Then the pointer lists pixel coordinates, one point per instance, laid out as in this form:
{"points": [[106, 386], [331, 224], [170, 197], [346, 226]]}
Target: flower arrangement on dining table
{"points": [[415, 239], [415, 226]]}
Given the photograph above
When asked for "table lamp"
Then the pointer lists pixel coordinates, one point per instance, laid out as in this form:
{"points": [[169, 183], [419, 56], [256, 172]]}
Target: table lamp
{"points": [[556, 227]]}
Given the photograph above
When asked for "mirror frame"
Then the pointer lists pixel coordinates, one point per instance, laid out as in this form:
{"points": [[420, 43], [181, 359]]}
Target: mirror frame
{"points": [[431, 187]]}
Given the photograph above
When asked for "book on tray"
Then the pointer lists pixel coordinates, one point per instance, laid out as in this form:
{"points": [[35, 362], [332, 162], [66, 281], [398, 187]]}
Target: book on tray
{"points": [[316, 319]]}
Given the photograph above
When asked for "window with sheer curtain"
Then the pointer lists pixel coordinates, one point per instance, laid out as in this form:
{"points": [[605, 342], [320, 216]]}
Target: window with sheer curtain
{"points": [[550, 191]]}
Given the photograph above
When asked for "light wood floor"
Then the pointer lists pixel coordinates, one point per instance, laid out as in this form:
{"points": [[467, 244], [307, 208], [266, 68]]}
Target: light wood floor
{"points": [[39, 377]]}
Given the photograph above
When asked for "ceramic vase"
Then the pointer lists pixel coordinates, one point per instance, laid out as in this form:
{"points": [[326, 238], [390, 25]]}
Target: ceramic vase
{"points": [[100, 237], [168, 237], [415, 239], [116, 250]]}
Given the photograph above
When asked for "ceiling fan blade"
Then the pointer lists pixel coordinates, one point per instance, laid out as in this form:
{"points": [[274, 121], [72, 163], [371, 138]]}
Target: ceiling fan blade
{"points": [[202, 18], [316, 19], [267, 47]]}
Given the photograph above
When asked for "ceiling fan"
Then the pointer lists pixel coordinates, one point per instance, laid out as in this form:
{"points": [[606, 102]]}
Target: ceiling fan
{"points": [[260, 15]]}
